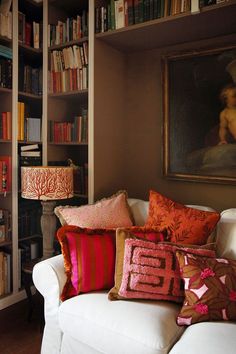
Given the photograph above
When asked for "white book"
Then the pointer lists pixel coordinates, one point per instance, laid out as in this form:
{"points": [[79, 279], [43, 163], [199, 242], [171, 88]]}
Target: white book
{"points": [[30, 153], [119, 14], [36, 34], [29, 147], [33, 128]]}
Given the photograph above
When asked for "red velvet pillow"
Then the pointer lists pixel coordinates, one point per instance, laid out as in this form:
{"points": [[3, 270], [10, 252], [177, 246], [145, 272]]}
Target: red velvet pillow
{"points": [[89, 259], [183, 224]]}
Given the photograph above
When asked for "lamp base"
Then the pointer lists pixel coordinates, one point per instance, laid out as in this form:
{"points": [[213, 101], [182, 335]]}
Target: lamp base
{"points": [[48, 226]]}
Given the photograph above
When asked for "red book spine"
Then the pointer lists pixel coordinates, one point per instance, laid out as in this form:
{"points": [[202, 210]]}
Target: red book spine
{"points": [[4, 125], [28, 32]]}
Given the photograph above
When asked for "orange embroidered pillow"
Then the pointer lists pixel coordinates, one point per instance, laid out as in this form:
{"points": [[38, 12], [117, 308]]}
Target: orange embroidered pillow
{"points": [[183, 224], [210, 289], [89, 259]]}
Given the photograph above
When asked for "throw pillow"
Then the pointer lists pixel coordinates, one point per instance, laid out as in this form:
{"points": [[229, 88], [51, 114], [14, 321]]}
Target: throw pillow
{"points": [[146, 268], [89, 259], [210, 289], [107, 213], [145, 233], [184, 225]]}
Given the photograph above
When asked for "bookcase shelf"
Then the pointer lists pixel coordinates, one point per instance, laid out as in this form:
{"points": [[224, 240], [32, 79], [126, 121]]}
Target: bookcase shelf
{"points": [[5, 141], [5, 90], [29, 95], [69, 144], [68, 94], [68, 44], [29, 237], [186, 27]]}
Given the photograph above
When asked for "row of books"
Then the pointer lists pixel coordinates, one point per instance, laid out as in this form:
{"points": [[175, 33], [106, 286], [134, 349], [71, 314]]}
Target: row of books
{"points": [[5, 273], [69, 30], [5, 173], [5, 125], [67, 132], [5, 72], [30, 78], [72, 57], [5, 225], [122, 13], [29, 128], [68, 80], [29, 33]]}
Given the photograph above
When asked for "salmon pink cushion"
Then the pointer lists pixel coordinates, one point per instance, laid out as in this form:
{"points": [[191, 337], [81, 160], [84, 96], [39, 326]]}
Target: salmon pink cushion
{"points": [[146, 233], [210, 289], [89, 259], [151, 271], [110, 212], [184, 225]]}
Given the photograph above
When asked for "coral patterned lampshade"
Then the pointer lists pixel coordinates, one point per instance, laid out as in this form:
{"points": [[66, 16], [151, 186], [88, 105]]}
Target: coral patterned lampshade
{"points": [[47, 182]]}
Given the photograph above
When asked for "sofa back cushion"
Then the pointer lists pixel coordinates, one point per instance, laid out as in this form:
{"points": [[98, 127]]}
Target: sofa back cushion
{"points": [[226, 234]]}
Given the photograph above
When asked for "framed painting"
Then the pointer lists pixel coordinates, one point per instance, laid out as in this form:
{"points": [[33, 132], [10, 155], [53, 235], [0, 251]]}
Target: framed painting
{"points": [[199, 92]]}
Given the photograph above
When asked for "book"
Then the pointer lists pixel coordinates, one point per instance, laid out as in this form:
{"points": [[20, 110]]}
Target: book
{"points": [[31, 153], [6, 173], [36, 35], [119, 14], [29, 147], [33, 129]]}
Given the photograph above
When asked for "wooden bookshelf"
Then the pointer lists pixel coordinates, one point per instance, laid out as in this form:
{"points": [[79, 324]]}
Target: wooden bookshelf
{"points": [[68, 44], [186, 27]]}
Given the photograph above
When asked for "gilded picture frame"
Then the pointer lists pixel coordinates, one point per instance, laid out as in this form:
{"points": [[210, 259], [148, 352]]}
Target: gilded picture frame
{"points": [[197, 86]]}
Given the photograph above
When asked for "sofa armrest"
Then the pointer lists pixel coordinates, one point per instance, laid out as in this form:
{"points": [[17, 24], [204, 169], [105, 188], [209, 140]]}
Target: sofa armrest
{"points": [[49, 278]]}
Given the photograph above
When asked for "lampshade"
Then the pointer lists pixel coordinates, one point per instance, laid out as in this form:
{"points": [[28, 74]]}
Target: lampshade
{"points": [[47, 182]]}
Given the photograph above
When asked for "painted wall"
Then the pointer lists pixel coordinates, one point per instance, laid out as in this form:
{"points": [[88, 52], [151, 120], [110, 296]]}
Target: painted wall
{"points": [[142, 156]]}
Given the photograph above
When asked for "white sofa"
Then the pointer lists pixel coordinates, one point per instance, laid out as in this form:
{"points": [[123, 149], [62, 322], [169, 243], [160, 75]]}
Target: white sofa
{"points": [[90, 323]]}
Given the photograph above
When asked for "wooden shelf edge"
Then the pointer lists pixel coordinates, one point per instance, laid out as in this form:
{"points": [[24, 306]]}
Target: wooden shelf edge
{"points": [[30, 49], [70, 144], [5, 90], [68, 44], [5, 141], [68, 93], [29, 95], [20, 239]]}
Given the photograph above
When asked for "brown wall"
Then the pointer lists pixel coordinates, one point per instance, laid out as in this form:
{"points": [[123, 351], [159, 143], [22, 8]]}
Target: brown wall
{"points": [[143, 156], [128, 143]]}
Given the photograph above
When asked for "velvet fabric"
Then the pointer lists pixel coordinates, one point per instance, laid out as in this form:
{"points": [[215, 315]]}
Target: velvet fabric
{"points": [[89, 259]]}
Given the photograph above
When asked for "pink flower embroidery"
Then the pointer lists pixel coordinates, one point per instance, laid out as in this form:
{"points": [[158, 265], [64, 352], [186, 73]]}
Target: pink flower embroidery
{"points": [[232, 295], [207, 272], [201, 308]]}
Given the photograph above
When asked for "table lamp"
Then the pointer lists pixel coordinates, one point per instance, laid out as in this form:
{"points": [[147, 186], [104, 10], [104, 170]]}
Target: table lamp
{"points": [[48, 184]]}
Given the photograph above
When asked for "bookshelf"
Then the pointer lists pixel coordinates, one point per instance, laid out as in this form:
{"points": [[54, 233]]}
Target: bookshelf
{"points": [[67, 93]]}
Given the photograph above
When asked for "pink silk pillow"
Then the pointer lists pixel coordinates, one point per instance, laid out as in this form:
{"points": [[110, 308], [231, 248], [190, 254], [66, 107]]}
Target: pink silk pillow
{"points": [[107, 213], [89, 259], [151, 270]]}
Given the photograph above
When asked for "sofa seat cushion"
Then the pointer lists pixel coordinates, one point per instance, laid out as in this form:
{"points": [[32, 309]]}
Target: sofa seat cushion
{"points": [[120, 326], [207, 338]]}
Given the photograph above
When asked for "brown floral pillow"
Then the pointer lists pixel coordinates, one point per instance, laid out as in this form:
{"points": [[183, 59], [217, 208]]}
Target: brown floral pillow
{"points": [[210, 289]]}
